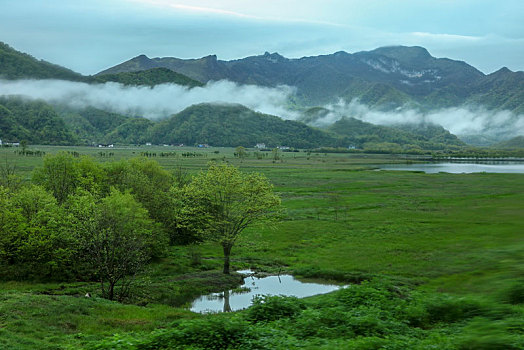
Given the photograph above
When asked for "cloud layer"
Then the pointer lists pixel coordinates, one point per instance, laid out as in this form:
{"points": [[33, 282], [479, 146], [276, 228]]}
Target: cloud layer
{"points": [[467, 120], [158, 102], [164, 100]]}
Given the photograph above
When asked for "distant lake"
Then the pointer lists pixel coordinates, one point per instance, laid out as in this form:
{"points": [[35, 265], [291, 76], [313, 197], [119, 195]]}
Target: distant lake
{"points": [[460, 168], [231, 300]]}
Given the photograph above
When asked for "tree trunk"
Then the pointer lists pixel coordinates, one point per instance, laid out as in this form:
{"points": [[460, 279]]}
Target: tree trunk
{"points": [[227, 253], [110, 291]]}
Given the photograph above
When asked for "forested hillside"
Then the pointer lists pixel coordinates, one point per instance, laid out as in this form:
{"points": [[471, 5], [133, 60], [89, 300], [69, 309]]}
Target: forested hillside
{"points": [[18, 65], [33, 121], [401, 138], [150, 77], [235, 125]]}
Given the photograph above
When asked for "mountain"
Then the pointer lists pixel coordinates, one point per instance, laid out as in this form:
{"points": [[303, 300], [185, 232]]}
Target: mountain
{"points": [[365, 135], [214, 124], [502, 89], [235, 125], [150, 77], [34, 121], [516, 142], [201, 69], [385, 78], [18, 65], [91, 125]]}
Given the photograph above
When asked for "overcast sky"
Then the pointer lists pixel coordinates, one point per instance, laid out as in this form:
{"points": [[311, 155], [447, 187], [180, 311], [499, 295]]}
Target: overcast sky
{"points": [[91, 35]]}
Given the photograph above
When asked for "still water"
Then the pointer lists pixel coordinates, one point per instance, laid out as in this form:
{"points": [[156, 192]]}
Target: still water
{"points": [[272, 285], [459, 168]]}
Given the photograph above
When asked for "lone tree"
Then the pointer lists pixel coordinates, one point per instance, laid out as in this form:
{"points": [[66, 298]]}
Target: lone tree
{"points": [[241, 152], [223, 201]]}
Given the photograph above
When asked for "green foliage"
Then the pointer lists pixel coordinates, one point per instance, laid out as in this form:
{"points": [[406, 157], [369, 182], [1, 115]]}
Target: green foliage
{"points": [[17, 65], [150, 185], [13, 228], [400, 139], [222, 202], [121, 242], [34, 121], [59, 175], [408, 230], [485, 334], [149, 77], [270, 308], [235, 125], [515, 142], [331, 274], [36, 244], [376, 320]]}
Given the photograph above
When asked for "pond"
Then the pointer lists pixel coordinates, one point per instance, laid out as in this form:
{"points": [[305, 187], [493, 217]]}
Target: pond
{"points": [[233, 300], [459, 168]]}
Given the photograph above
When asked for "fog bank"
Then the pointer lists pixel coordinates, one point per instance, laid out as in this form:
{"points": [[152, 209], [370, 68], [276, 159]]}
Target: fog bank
{"points": [[158, 102], [465, 120], [166, 99]]}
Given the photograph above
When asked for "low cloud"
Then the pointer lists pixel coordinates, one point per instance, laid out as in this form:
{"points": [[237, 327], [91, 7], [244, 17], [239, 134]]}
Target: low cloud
{"points": [[466, 120], [164, 100], [154, 103]]}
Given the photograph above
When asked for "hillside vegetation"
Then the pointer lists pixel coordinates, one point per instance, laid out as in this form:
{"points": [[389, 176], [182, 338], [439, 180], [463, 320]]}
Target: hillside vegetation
{"points": [[382, 79], [150, 77], [236, 125], [18, 65]]}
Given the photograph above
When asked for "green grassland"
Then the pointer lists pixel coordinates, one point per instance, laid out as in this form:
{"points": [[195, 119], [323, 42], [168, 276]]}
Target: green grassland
{"points": [[447, 242]]}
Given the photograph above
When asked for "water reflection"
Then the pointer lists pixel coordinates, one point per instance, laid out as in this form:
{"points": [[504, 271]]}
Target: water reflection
{"points": [[233, 300]]}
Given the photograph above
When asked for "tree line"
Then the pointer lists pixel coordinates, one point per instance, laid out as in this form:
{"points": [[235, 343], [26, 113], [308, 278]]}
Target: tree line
{"points": [[80, 220]]}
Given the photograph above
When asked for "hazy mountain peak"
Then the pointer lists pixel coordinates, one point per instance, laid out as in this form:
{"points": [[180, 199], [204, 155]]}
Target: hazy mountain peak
{"points": [[212, 58], [274, 57], [404, 53], [502, 71]]}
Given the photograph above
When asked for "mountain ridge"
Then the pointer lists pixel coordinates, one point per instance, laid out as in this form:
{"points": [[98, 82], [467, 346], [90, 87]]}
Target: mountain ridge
{"points": [[412, 75]]}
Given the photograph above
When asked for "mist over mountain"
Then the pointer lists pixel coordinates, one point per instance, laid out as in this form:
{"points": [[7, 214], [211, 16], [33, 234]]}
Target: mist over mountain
{"points": [[385, 78], [403, 89]]}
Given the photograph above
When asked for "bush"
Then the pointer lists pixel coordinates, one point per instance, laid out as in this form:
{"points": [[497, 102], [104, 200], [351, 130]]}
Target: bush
{"points": [[270, 308], [515, 293]]}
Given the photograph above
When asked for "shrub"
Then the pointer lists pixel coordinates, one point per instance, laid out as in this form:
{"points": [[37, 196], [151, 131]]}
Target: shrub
{"points": [[515, 293], [270, 308]]}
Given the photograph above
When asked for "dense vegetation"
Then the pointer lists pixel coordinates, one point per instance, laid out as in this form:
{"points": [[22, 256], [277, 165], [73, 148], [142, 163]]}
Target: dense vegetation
{"points": [[235, 125], [33, 121], [17, 65], [77, 221], [150, 77], [400, 139], [224, 125], [116, 217]]}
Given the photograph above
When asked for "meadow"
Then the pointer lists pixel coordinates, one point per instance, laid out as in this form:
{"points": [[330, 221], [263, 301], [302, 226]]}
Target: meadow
{"points": [[436, 261]]}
